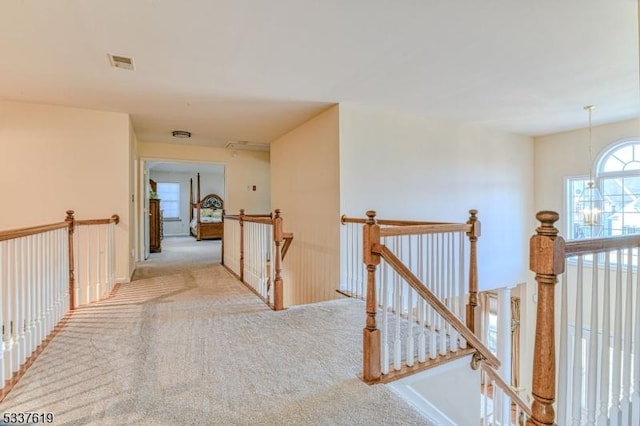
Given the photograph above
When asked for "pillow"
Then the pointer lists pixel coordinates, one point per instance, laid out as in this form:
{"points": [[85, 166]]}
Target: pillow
{"points": [[217, 214], [206, 212]]}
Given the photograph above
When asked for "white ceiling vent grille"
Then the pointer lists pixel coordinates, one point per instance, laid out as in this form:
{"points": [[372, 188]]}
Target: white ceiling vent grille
{"points": [[121, 62], [247, 146]]}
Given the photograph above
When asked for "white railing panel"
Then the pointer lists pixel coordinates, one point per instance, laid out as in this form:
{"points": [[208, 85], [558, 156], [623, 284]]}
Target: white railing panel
{"points": [[352, 269], [94, 255], [231, 243], [411, 330], [597, 369], [258, 257], [34, 281]]}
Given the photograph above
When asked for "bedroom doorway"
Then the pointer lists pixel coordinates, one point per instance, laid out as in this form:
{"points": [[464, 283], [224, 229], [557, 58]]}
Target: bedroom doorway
{"points": [[169, 194]]}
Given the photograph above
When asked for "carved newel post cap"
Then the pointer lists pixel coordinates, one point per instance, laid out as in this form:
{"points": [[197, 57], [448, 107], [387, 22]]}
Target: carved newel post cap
{"points": [[371, 214], [473, 212], [547, 218], [241, 211], [277, 212], [70, 214]]}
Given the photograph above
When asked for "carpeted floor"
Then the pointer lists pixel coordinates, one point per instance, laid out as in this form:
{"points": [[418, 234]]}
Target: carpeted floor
{"points": [[185, 343]]}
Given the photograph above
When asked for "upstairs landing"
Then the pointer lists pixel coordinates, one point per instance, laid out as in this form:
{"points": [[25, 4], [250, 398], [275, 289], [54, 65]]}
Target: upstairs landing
{"points": [[192, 345]]}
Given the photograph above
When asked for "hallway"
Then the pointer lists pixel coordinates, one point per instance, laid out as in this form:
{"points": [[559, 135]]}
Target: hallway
{"points": [[186, 343]]}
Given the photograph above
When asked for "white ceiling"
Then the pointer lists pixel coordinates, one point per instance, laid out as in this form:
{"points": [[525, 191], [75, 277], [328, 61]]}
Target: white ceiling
{"points": [[253, 69]]}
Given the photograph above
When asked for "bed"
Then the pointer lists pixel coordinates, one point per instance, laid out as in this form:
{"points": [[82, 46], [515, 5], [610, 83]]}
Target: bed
{"points": [[205, 220]]}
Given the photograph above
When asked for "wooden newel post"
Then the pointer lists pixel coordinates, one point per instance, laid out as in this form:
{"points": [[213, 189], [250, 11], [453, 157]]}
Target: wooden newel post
{"points": [[278, 287], [546, 259], [371, 334], [241, 222], [473, 235], [72, 279]]}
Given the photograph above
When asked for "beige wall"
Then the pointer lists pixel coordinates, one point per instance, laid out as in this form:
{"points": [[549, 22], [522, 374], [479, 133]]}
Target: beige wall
{"points": [[305, 186], [59, 158], [242, 171], [408, 167]]}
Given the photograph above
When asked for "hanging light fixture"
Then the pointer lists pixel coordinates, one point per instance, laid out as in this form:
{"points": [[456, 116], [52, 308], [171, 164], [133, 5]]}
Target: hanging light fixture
{"points": [[591, 202]]}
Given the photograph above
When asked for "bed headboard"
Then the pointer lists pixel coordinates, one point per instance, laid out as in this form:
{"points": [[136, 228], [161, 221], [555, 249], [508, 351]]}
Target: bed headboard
{"points": [[212, 201]]}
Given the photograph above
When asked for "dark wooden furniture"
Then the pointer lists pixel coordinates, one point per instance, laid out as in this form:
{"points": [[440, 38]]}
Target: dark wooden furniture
{"points": [[155, 226]]}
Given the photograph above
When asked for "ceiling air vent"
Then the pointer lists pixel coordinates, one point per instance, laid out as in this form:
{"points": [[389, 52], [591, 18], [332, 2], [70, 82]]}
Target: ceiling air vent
{"points": [[247, 146], [121, 62]]}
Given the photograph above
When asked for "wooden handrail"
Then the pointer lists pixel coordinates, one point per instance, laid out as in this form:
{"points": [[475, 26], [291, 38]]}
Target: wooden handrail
{"points": [[32, 230], [424, 229], [264, 220], [433, 300], [513, 395], [288, 238], [113, 219], [390, 222], [258, 218], [598, 245]]}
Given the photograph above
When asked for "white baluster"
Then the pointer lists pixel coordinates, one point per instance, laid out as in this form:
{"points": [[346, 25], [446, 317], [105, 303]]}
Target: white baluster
{"points": [[503, 404], [614, 411], [361, 277], [15, 360], [79, 267], [603, 416], [33, 331], [384, 332], [24, 354], [6, 321], [592, 358], [47, 284], [453, 297], [422, 341], [112, 253], [99, 285], [625, 407], [443, 329], [576, 388], [635, 396], [462, 282], [397, 295], [564, 356]]}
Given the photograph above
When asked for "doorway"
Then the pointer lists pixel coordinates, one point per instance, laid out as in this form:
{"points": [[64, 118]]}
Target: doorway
{"points": [[173, 189]]}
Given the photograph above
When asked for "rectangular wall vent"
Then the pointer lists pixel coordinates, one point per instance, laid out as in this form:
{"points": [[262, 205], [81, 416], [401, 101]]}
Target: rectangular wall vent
{"points": [[121, 62]]}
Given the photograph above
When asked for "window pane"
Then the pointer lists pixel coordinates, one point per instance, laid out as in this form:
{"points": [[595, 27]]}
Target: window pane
{"points": [[169, 194]]}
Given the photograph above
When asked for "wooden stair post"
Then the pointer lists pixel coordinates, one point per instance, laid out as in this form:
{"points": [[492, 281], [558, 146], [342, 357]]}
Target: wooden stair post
{"points": [[278, 288], [472, 305], [72, 278], [546, 259], [371, 335], [241, 222]]}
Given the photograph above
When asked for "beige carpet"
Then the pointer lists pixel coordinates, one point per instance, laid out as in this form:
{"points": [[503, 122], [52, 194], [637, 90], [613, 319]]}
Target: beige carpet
{"points": [[185, 343]]}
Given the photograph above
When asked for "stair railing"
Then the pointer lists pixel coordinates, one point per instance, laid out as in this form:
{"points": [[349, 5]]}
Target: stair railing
{"points": [[255, 246], [353, 271], [39, 287], [598, 379], [421, 324], [496, 394]]}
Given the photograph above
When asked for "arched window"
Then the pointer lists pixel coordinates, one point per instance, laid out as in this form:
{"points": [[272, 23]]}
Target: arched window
{"points": [[617, 177]]}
